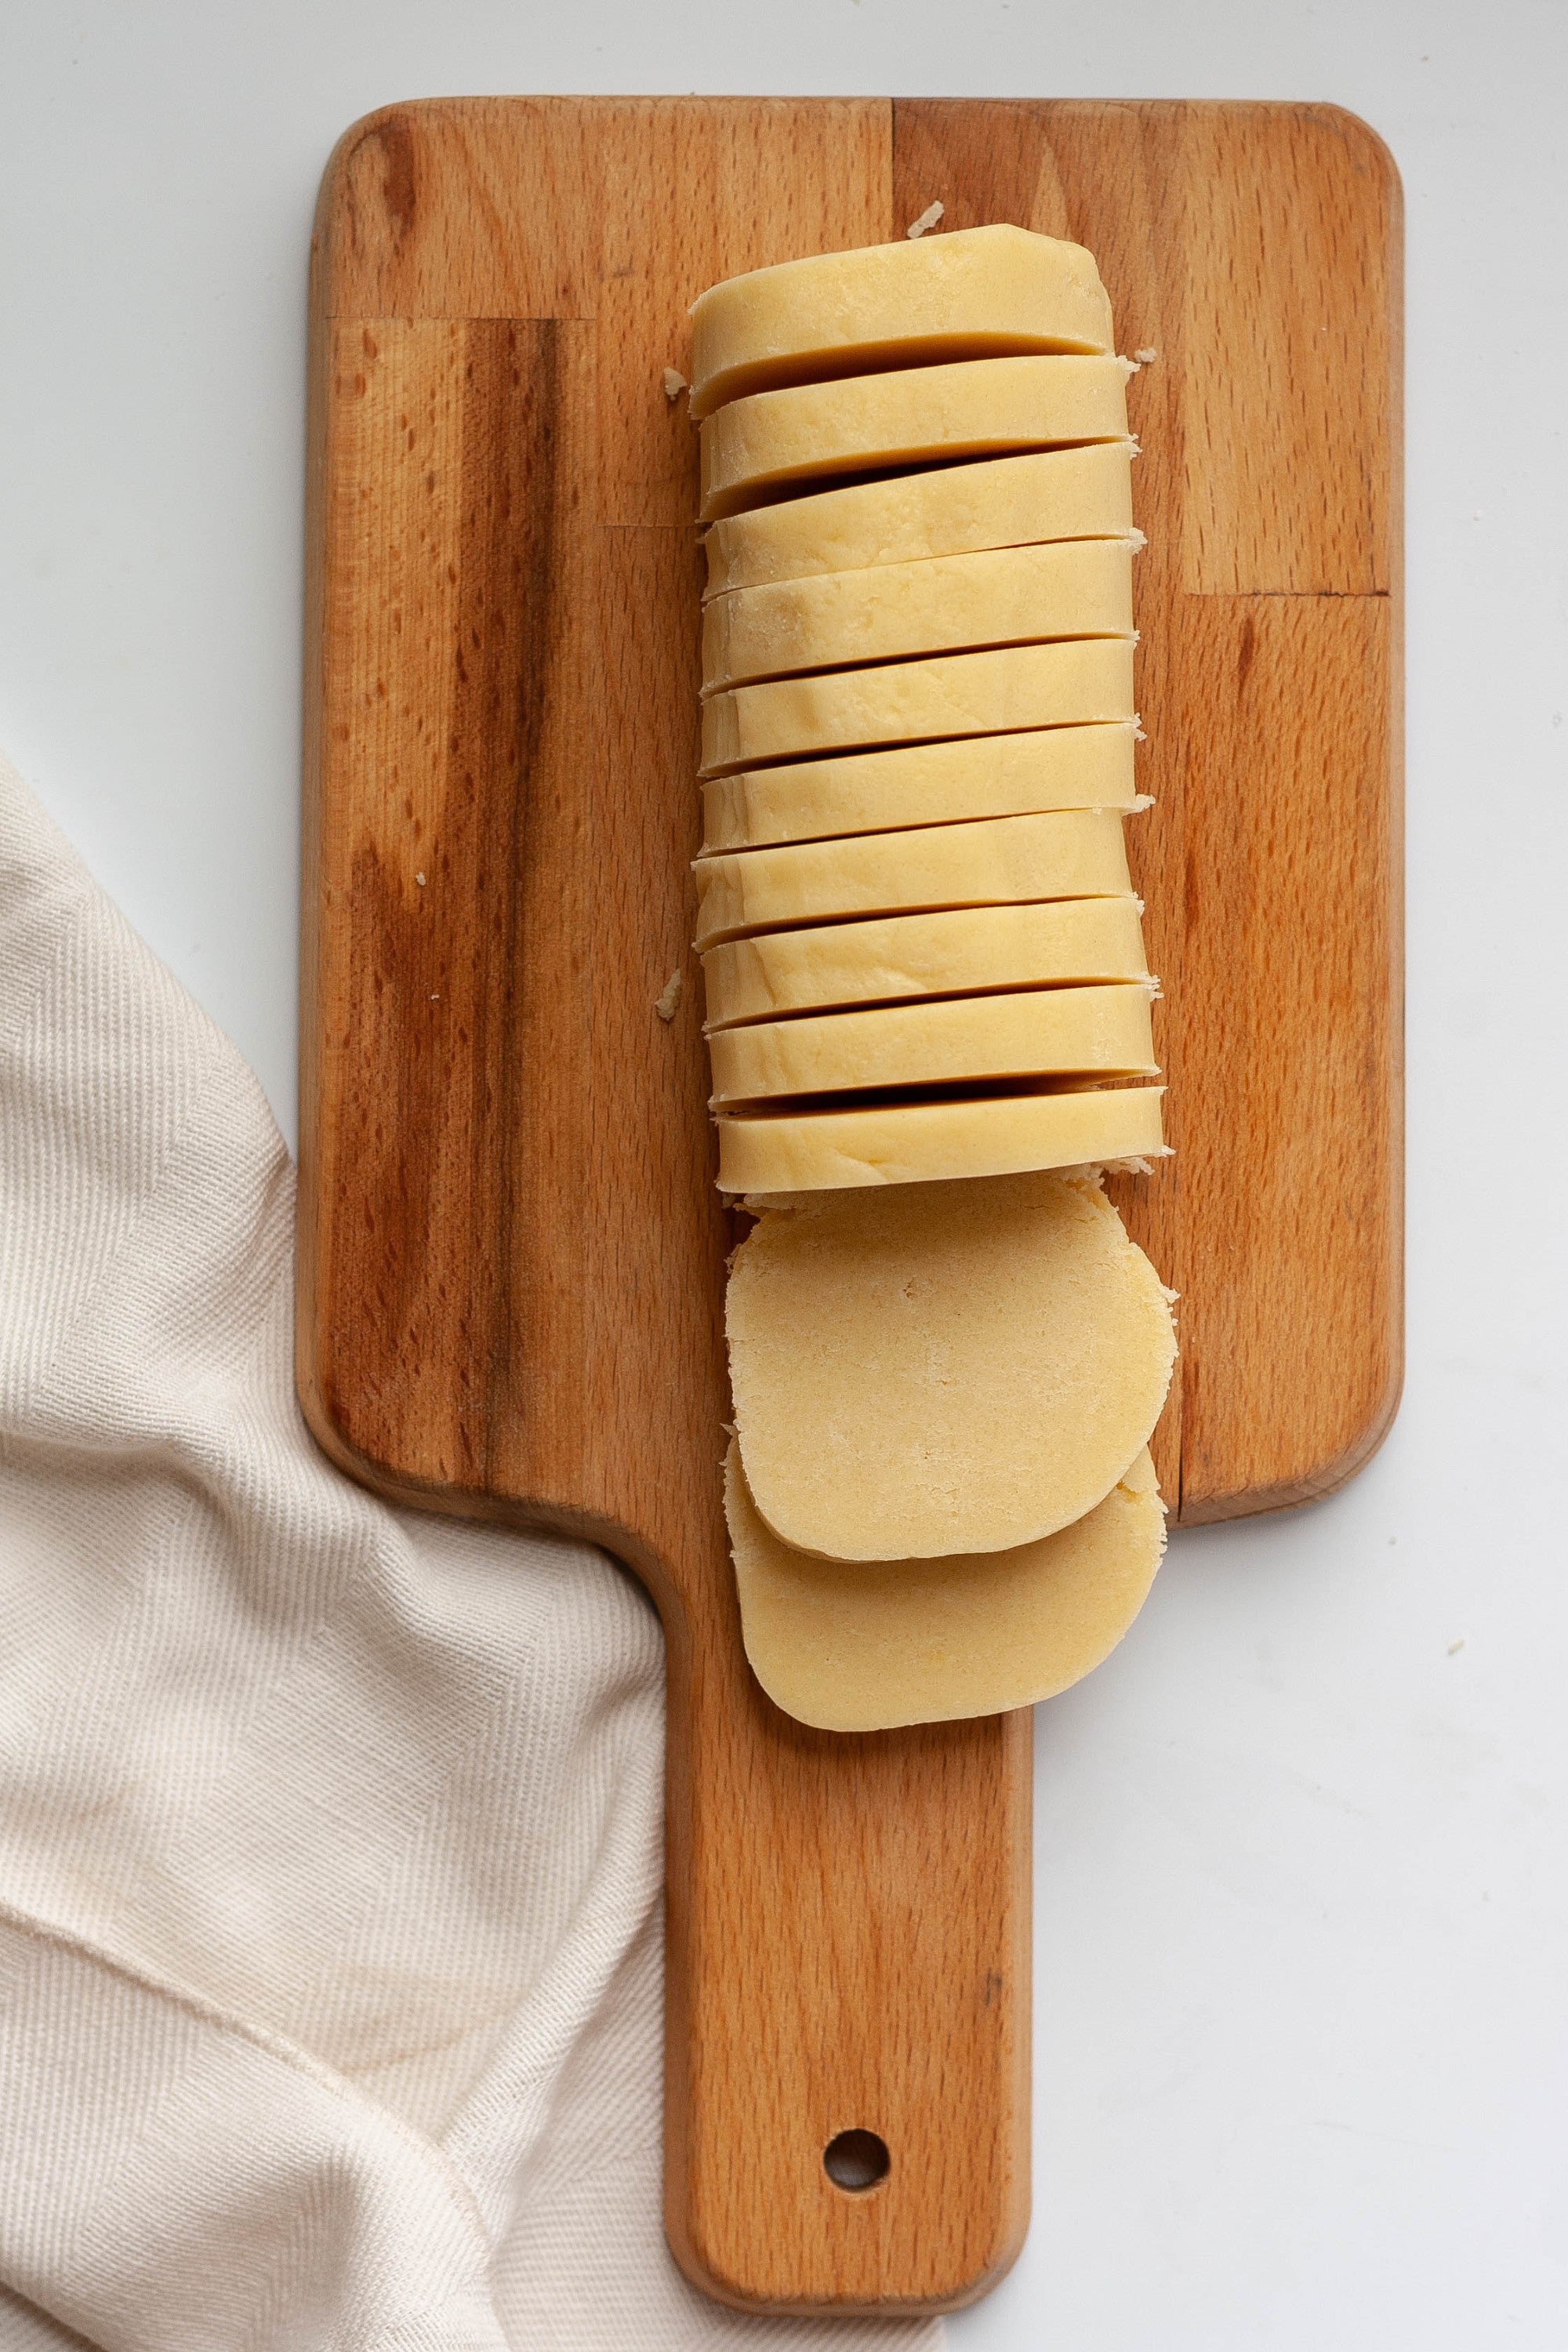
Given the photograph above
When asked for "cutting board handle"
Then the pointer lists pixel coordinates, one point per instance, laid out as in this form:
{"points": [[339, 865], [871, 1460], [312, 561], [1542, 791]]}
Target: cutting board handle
{"points": [[847, 2054]]}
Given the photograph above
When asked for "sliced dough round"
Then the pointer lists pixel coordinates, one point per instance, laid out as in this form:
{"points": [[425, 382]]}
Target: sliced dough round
{"points": [[756, 449], [1063, 685], [863, 1646], [922, 784], [967, 949], [924, 1143], [1031, 1033], [1009, 596], [1061, 853], [941, 1367], [1084, 493], [997, 289]]}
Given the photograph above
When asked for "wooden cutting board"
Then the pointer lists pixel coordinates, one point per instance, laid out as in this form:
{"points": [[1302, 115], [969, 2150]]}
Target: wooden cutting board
{"points": [[512, 1252]]}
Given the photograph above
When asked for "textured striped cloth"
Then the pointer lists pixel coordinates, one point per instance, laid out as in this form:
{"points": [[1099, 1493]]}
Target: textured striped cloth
{"points": [[329, 1833]]}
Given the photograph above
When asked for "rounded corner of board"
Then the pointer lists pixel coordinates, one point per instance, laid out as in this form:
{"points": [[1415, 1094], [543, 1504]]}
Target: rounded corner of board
{"points": [[327, 1428], [390, 128], [1367, 146], [1317, 1481], [706, 2277], [395, 116], [984, 2276], [330, 1424], [1353, 1457]]}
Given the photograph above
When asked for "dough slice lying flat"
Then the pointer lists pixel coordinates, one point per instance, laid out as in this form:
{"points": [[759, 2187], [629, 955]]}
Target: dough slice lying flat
{"points": [[924, 783], [979, 408], [1050, 494], [863, 1646], [926, 1143], [1008, 595], [1060, 853], [996, 289], [941, 1367], [1065, 684], [967, 949], [1028, 1033]]}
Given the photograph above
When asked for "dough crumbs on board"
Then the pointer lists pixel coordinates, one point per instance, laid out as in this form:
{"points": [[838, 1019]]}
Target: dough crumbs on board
{"points": [[928, 219], [668, 997], [674, 383]]}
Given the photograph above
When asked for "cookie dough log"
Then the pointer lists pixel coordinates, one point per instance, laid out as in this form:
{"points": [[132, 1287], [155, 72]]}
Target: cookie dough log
{"points": [[937, 1142], [936, 1369], [963, 951], [952, 510], [1008, 596], [778, 441], [1071, 684], [974, 292], [924, 783], [866, 1645], [1060, 854]]}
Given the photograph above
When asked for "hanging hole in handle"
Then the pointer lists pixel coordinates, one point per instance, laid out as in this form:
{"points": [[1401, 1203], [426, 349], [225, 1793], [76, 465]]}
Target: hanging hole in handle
{"points": [[856, 2160]]}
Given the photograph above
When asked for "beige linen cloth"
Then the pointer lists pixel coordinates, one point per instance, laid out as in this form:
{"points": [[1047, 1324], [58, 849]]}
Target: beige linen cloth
{"points": [[330, 1927]]}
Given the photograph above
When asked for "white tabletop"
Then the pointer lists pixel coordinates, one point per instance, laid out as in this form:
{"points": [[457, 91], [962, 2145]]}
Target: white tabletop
{"points": [[1301, 1929]]}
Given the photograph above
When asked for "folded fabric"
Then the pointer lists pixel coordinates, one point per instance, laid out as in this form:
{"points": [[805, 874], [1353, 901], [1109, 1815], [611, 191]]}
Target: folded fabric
{"points": [[330, 1952]]}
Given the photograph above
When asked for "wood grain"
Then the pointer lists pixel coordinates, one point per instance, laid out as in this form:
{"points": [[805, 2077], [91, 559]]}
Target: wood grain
{"points": [[512, 1252], [1256, 250]]}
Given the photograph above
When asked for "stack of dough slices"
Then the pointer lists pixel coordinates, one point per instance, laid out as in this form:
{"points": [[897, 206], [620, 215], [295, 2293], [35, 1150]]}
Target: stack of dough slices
{"points": [[927, 996]]}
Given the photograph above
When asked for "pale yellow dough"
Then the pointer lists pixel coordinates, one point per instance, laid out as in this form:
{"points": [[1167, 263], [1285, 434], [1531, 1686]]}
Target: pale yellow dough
{"points": [[1032, 1032], [997, 289], [926, 1143], [950, 954], [922, 784], [1009, 596], [953, 510], [941, 1367], [1063, 854], [1064, 685], [864, 1646], [917, 416]]}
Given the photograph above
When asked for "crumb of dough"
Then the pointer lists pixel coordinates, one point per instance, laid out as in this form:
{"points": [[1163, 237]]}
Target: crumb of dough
{"points": [[420, 879], [1145, 357], [928, 219], [674, 383], [668, 997]]}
